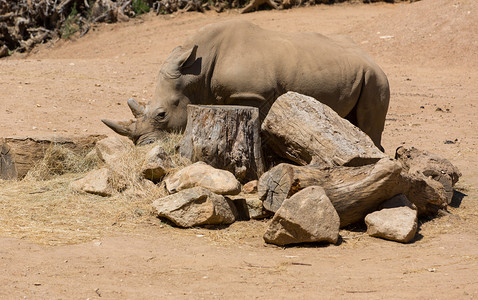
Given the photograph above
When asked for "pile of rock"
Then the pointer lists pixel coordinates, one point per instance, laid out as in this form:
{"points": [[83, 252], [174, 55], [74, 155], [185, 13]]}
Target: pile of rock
{"points": [[329, 176]]}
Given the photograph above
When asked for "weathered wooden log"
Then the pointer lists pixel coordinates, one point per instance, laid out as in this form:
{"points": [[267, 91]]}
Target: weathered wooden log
{"points": [[430, 165], [24, 152], [305, 131], [354, 191], [7, 165], [225, 137]]}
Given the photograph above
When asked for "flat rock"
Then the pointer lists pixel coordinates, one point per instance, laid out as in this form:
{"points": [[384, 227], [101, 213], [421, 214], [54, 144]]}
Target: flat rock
{"points": [[201, 174], [94, 182], [194, 207], [157, 163], [307, 216], [395, 224]]}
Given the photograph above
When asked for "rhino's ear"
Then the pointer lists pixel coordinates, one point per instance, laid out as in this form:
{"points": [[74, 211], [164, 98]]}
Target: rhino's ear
{"points": [[179, 60]]}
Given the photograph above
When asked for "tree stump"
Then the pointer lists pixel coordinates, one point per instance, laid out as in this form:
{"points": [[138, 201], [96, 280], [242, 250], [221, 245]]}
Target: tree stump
{"points": [[354, 191], [305, 131], [225, 137]]}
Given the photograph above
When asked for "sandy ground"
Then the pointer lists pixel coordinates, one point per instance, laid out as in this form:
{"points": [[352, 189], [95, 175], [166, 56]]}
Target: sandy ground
{"points": [[429, 50]]}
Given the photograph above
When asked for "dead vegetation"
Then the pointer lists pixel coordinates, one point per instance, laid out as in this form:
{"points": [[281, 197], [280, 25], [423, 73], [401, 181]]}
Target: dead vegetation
{"points": [[26, 23], [42, 207]]}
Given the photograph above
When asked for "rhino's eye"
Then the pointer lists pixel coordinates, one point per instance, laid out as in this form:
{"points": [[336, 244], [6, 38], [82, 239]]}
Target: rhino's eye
{"points": [[161, 115]]}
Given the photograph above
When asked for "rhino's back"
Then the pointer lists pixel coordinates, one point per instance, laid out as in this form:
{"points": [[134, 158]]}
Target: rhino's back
{"points": [[245, 58]]}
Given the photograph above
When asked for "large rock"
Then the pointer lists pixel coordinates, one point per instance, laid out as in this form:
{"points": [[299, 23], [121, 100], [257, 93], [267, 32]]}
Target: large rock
{"points": [[157, 163], [302, 129], [96, 182], [430, 165], [200, 174], [111, 148], [396, 224], [308, 216], [194, 207]]}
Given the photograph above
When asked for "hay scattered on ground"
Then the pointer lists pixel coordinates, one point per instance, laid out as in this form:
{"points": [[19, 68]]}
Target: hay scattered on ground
{"points": [[42, 207]]}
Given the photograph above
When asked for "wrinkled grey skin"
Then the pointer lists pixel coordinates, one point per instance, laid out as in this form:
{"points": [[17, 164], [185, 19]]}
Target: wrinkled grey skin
{"points": [[238, 63]]}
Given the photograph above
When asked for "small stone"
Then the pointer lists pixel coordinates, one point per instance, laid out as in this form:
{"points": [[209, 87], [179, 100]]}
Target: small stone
{"points": [[156, 164], [94, 182], [250, 187], [396, 224], [201, 174], [194, 207]]}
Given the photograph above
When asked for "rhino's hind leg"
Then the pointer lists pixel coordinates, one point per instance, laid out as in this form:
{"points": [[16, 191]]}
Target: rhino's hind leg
{"points": [[372, 106]]}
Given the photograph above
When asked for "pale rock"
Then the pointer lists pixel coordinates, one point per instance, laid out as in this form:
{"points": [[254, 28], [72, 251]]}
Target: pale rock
{"points": [[94, 182], [111, 148], [195, 206], [307, 216], [200, 174], [157, 163], [396, 224]]}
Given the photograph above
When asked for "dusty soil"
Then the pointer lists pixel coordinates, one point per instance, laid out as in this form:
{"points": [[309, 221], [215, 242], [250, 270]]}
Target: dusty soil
{"points": [[429, 50]]}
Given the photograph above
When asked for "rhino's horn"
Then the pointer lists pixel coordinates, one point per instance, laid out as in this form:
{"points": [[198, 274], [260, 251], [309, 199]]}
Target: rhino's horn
{"points": [[125, 128], [136, 108]]}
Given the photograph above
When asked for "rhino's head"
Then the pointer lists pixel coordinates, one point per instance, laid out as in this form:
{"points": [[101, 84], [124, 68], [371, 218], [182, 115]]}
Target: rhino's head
{"points": [[168, 109]]}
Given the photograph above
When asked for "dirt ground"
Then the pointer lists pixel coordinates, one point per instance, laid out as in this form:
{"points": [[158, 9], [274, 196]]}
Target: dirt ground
{"points": [[428, 49]]}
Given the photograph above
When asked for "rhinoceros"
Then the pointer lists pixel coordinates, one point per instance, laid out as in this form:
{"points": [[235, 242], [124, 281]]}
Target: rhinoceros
{"points": [[239, 63]]}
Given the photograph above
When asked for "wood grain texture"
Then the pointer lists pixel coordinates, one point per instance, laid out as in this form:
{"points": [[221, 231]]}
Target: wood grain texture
{"points": [[225, 137], [305, 131], [354, 191]]}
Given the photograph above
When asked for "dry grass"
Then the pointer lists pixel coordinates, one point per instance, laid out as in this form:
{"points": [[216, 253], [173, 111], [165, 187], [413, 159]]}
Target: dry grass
{"points": [[42, 207], [59, 160]]}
